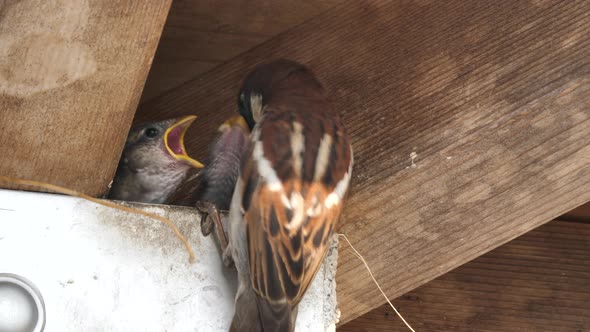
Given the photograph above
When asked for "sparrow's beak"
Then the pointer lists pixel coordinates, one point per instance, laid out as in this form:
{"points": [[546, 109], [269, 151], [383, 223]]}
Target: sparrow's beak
{"points": [[174, 141], [236, 120]]}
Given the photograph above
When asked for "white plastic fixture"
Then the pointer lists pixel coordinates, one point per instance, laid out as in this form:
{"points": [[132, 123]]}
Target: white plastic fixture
{"points": [[100, 269]]}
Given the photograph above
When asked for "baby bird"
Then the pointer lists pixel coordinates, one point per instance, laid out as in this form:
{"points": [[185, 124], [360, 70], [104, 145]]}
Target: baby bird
{"points": [[154, 162], [220, 175]]}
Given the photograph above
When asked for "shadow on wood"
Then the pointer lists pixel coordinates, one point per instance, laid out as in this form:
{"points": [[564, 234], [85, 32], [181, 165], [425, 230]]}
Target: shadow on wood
{"points": [[200, 35]]}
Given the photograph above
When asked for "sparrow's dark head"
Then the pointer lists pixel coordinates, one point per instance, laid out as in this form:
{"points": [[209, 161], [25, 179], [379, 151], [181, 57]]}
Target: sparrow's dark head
{"points": [[270, 81], [159, 143]]}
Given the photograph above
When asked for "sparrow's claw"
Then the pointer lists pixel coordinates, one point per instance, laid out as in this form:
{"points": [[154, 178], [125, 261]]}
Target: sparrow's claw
{"points": [[206, 225], [206, 222], [211, 218]]}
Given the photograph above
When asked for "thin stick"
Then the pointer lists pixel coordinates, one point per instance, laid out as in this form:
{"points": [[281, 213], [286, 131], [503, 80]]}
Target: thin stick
{"points": [[375, 281], [106, 203]]}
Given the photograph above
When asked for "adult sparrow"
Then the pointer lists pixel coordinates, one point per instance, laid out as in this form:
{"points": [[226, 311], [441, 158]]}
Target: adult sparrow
{"points": [[289, 196]]}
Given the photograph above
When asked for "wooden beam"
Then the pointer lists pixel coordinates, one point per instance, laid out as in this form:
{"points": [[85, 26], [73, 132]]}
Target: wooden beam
{"points": [[71, 75], [210, 32], [491, 97], [537, 282]]}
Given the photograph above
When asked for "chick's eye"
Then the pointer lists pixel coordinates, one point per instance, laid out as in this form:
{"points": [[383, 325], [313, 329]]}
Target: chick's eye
{"points": [[151, 132]]}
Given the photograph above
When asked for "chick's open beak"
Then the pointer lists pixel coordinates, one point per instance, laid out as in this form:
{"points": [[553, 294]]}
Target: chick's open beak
{"points": [[236, 120], [174, 141]]}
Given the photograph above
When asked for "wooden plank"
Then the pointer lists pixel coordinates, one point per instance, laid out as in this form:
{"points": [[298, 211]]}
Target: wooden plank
{"points": [[537, 282], [71, 75], [211, 32], [492, 97]]}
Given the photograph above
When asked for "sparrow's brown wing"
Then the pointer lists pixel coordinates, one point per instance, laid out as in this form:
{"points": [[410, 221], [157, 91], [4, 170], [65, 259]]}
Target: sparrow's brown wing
{"points": [[291, 208], [287, 241]]}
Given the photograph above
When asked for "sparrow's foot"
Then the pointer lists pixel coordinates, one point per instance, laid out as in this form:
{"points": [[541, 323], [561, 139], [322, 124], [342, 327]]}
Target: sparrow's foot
{"points": [[227, 258], [211, 218], [206, 222]]}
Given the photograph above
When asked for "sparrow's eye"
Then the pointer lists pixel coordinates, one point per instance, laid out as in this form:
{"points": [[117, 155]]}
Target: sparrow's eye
{"points": [[151, 132], [242, 102]]}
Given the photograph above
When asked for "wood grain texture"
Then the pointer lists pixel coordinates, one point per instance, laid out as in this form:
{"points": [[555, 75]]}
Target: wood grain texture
{"points": [[537, 282], [200, 35], [71, 74], [492, 97]]}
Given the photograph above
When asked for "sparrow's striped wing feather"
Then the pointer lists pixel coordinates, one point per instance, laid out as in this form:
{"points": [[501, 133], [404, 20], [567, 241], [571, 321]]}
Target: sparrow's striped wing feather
{"points": [[290, 212], [284, 259]]}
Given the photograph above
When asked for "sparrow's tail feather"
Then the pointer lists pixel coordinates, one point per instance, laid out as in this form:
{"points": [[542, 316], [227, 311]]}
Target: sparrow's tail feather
{"points": [[276, 317], [246, 317]]}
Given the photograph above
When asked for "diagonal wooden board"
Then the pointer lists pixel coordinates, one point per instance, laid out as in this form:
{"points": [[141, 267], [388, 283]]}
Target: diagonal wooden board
{"points": [[490, 99], [71, 74], [536, 282]]}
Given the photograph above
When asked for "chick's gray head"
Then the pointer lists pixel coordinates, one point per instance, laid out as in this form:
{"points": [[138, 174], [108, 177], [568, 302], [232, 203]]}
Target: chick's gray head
{"points": [[159, 145]]}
